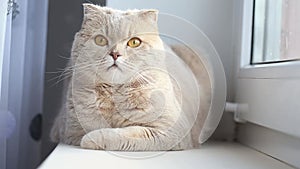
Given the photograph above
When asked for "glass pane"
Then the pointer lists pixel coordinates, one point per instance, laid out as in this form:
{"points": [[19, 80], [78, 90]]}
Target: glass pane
{"points": [[276, 34]]}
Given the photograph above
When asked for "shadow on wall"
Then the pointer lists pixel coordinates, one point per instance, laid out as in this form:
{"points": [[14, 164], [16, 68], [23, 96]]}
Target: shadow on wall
{"points": [[64, 20]]}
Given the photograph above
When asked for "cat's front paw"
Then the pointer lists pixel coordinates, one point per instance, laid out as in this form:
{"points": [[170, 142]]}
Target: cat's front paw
{"points": [[89, 141]]}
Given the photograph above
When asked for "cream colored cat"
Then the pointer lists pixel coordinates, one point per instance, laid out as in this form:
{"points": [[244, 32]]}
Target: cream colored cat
{"points": [[121, 95]]}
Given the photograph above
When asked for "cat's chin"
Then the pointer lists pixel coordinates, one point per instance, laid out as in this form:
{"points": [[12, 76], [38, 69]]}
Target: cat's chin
{"points": [[115, 76], [114, 81]]}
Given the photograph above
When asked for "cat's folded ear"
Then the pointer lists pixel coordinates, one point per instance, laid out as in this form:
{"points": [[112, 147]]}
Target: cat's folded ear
{"points": [[89, 8], [149, 14]]}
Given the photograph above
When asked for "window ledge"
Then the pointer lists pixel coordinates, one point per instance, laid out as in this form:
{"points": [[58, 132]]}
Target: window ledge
{"points": [[215, 155]]}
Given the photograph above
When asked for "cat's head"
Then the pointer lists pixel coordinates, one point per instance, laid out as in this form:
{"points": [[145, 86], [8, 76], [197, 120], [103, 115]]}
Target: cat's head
{"points": [[117, 44]]}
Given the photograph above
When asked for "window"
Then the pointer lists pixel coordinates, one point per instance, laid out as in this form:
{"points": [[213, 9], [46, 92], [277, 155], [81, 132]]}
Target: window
{"points": [[268, 76], [276, 33]]}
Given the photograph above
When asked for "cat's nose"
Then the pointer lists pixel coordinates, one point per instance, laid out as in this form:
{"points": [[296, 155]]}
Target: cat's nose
{"points": [[115, 55]]}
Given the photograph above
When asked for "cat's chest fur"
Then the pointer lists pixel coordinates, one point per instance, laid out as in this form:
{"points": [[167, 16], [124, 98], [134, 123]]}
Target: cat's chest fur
{"points": [[123, 105]]}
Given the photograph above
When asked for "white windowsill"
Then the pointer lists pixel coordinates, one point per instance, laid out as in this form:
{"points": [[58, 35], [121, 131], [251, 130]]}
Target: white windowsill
{"points": [[214, 155]]}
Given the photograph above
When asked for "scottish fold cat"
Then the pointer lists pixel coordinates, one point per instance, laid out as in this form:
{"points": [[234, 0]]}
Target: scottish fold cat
{"points": [[128, 90]]}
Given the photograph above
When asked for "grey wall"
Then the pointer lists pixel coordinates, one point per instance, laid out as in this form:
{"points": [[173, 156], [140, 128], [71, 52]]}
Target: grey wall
{"points": [[216, 19], [64, 21]]}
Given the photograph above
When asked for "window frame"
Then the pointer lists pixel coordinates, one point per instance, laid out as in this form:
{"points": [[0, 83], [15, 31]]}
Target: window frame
{"points": [[247, 70], [255, 76], [268, 129]]}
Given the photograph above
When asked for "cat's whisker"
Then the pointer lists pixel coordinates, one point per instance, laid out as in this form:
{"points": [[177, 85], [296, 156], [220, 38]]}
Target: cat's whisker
{"points": [[58, 77], [60, 80], [58, 71], [79, 70], [83, 66], [146, 79], [68, 71], [80, 64], [63, 57], [61, 73], [102, 63], [128, 65], [100, 67]]}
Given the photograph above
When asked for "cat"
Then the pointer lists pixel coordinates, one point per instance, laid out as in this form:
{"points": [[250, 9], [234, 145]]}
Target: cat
{"points": [[121, 95]]}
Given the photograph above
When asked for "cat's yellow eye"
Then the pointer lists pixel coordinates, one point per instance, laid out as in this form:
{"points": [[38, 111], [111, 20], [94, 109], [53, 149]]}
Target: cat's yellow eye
{"points": [[101, 40], [134, 42]]}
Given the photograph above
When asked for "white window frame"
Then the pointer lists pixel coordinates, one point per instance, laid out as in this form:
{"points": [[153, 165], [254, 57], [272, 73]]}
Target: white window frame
{"points": [[271, 93], [285, 72]]}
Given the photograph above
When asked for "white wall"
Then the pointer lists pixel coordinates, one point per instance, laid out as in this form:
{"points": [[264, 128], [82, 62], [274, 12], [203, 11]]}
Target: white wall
{"points": [[215, 18]]}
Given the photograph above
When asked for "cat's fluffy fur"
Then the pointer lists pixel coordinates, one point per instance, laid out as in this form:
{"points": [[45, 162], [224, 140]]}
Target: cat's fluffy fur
{"points": [[136, 105]]}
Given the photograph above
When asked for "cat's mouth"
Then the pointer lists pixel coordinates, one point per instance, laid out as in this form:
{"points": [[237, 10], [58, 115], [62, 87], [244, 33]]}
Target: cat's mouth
{"points": [[114, 66]]}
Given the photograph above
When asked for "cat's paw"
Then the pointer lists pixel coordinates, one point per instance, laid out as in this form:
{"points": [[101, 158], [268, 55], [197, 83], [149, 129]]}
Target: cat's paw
{"points": [[89, 141]]}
